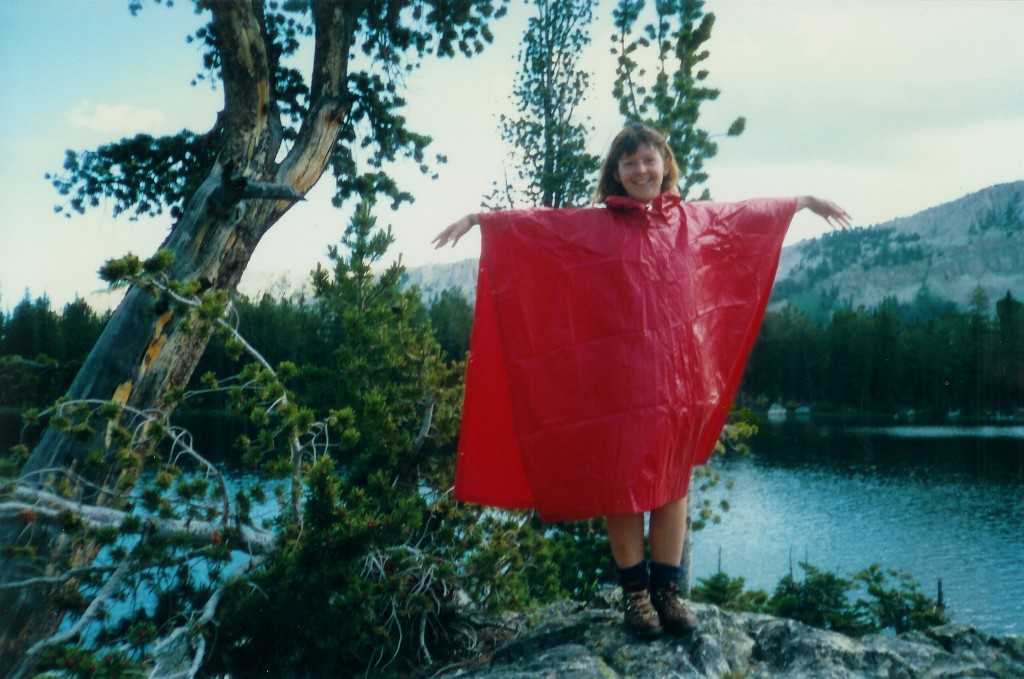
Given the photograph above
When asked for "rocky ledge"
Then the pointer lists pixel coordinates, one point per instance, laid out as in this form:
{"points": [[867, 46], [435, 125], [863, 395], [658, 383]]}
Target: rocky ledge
{"points": [[576, 641]]}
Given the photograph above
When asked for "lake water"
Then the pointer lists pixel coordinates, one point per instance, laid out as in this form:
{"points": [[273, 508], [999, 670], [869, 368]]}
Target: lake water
{"points": [[935, 502]]}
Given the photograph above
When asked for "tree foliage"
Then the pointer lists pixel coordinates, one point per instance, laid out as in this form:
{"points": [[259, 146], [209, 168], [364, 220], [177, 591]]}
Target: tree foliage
{"points": [[140, 176], [660, 79], [281, 128], [40, 349], [547, 143], [452, 319], [162, 548], [144, 175], [869, 601], [369, 581]]}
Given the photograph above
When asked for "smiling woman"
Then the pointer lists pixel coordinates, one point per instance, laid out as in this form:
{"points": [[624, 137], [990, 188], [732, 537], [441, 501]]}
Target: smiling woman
{"points": [[607, 346], [640, 165], [642, 173]]}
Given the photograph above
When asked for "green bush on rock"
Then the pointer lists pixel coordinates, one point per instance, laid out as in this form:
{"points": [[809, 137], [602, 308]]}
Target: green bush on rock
{"points": [[889, 600]]}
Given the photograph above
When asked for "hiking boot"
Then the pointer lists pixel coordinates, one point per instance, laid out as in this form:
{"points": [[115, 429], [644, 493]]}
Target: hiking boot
{"points": [[671, 612], [639, 615]]}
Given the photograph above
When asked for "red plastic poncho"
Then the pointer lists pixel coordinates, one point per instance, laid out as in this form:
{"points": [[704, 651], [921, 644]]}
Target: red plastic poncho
{"points": [[607, 346]]}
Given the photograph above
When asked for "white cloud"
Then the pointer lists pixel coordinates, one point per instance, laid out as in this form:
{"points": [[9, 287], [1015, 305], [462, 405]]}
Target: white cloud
{"points": [[116, 119], [832, 79]]}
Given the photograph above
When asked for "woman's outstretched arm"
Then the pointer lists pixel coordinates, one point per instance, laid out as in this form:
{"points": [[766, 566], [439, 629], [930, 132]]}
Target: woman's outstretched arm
{"points": [[454, 232], [826, 209], [829, 211]]}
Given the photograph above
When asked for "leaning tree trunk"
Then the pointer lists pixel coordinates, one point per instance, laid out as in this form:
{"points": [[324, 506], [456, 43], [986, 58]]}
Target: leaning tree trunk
{"points": [[145, 350]]}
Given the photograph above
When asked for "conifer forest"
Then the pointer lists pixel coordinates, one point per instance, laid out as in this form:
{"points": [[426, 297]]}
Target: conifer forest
{"points": [[928, 355]]}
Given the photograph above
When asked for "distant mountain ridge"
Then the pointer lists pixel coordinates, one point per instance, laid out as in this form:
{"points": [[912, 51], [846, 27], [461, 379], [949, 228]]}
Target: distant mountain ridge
{"points": [[945, 251], [433, 279]]}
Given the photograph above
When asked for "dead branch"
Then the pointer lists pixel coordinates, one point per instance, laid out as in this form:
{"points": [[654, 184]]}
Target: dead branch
{"points": [[428, 416], [164, 647], [88, 616], [51, 507]]}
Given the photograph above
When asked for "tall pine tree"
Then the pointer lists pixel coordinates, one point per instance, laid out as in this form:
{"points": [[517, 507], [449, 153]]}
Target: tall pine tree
{"points": [[550, 164], [660, 80]]}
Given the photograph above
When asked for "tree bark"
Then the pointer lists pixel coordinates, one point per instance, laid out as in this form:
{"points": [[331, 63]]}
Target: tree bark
{"points": [[144, 350]]}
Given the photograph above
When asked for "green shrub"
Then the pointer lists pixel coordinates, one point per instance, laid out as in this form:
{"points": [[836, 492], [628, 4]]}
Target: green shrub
{"points": [[819, 600], [729, 593], [901, 606], [888, 600]]}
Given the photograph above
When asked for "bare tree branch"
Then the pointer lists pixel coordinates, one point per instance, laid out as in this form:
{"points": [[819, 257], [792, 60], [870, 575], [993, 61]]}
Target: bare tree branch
{"points": [[193, 630], [46, 505], [75, 630]]}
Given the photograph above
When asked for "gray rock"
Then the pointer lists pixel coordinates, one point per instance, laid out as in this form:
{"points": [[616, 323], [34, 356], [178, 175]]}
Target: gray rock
{"points": [[575, 641]]}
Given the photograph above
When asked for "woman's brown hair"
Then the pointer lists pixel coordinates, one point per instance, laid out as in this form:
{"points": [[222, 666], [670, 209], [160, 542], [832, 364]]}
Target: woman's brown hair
{"points": [[626, 142]]}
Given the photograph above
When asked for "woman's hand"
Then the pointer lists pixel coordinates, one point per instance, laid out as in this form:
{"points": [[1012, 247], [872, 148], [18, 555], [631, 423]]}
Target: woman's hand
{"points": [[454, 232], [826, 209]]}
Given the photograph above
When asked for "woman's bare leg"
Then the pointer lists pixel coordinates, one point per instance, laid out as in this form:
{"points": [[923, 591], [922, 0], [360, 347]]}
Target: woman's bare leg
{"points": [[668, 530], [626, 536]]}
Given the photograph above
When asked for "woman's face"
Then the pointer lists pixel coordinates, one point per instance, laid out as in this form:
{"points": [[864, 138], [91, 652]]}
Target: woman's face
{"points": [[641, 172]]}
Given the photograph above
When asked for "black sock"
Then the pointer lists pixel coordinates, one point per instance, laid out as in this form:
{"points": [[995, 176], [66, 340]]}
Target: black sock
{"points": [[633, 578], [664, 573]]}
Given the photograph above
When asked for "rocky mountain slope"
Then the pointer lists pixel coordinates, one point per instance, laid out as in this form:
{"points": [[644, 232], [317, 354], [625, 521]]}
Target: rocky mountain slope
{"points": [[570, 640], [946, 251], [433, 279]]}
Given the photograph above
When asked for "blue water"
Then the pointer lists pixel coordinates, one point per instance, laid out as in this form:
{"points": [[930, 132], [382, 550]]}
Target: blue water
{"points": [[936, 502]]}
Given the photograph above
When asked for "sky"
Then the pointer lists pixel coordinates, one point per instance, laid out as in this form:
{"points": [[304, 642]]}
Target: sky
{"points": [[888, 108]]}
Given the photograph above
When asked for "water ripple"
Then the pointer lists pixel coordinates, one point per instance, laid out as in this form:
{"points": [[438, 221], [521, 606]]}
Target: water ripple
{"points": [[843, 513]]}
